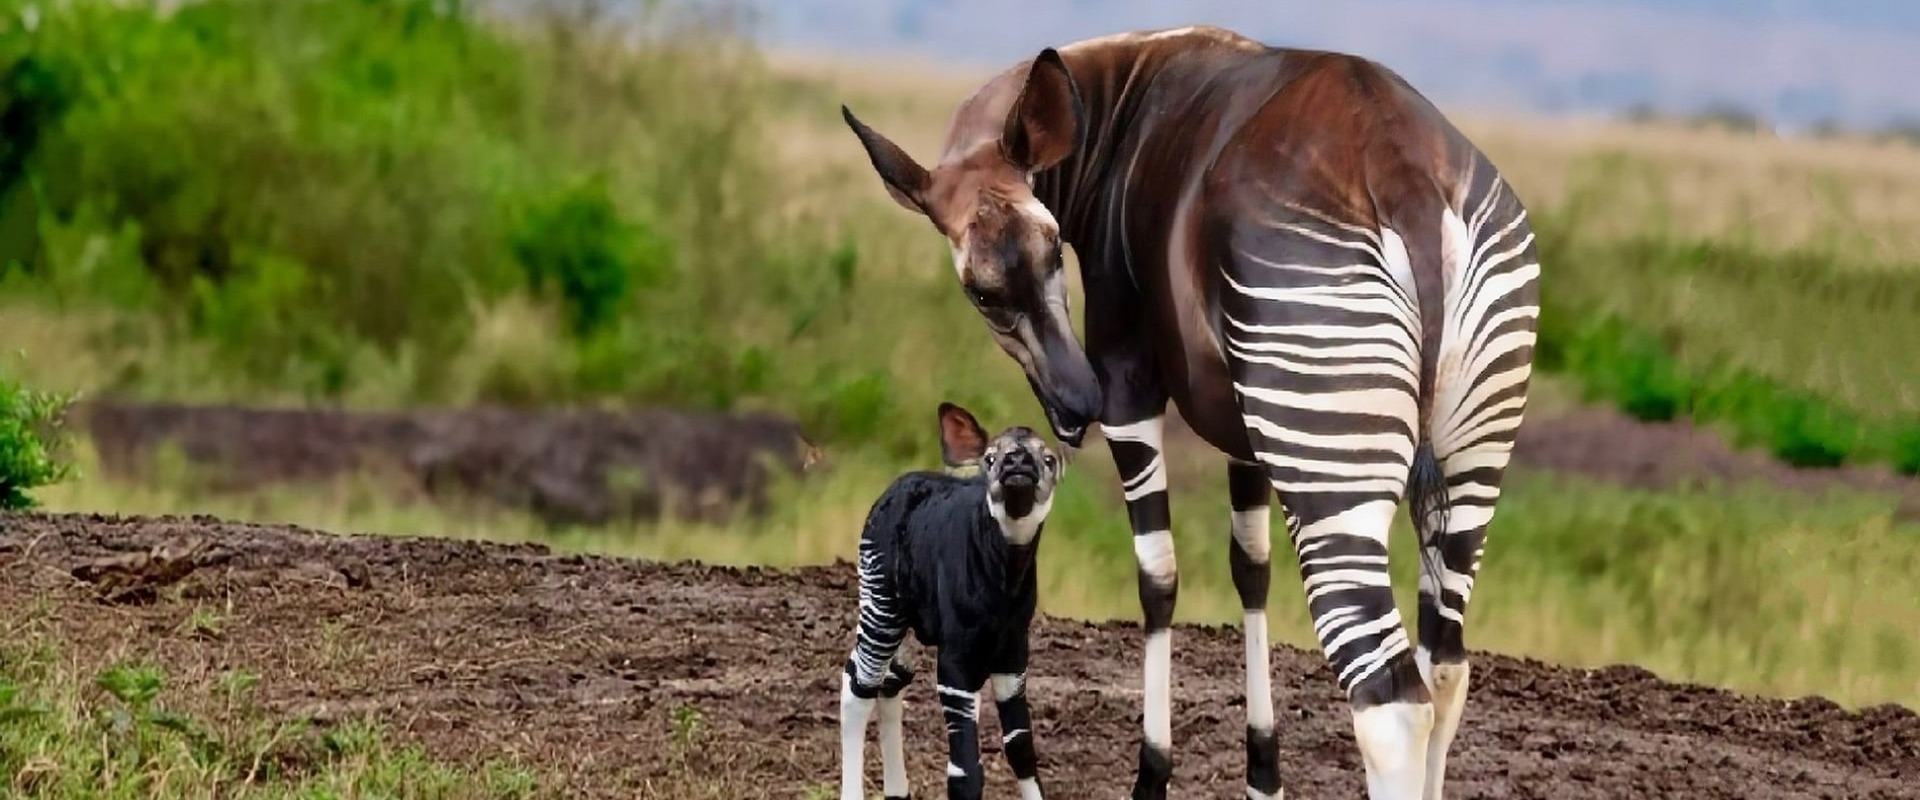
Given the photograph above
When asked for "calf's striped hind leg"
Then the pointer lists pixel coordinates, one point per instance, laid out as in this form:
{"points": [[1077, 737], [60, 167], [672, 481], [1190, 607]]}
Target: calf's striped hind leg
{"points": [[871, 677], [1249, 493]]}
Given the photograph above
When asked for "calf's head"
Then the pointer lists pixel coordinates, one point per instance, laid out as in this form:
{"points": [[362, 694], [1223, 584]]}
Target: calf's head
{"points": [[1006, 244], [1020, 470]]}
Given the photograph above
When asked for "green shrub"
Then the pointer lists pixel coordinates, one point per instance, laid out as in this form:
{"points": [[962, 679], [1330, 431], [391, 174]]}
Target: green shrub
{"points": [[30, 442], [579, 244], [325, 187]]}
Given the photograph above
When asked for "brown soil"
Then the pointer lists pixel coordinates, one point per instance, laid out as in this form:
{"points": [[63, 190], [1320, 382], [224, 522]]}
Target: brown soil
{"points": [[577, 665], [563, 465]]}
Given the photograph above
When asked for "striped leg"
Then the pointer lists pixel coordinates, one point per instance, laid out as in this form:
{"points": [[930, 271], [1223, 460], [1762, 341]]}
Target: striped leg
{"points": [[960, 704], [1016, 721], [869, 674], [1136, 449], [1326, 365], [1249, 492], [1480, 399]]}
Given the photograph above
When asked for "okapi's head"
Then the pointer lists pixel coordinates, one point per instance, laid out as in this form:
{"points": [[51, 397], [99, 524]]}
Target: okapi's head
{"points": [[1020, 470], [1006, 244]]}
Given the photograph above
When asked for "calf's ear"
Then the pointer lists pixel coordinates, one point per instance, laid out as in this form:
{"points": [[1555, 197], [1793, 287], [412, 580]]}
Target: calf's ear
{"points": [[962, 440]]}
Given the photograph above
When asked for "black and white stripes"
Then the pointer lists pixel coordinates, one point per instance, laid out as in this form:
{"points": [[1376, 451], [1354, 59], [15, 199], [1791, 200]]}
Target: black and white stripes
{"points": [[952, 559], [1350, 409], [1136, 450]]}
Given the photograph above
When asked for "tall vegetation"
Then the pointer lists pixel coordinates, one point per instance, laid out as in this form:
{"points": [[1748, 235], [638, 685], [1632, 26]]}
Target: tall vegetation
{"points": [[400, 202]]}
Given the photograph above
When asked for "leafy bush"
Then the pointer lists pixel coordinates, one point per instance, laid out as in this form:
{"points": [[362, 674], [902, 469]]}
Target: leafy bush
{"points": [[323, 189], [30, 440]]}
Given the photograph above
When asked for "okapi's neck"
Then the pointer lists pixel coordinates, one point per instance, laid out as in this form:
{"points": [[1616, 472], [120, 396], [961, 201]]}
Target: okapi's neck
{"points": [[1080, 190]]}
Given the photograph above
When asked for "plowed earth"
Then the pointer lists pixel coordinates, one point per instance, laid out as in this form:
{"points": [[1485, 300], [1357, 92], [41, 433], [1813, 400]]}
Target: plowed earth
{"points": [[622, 679]]}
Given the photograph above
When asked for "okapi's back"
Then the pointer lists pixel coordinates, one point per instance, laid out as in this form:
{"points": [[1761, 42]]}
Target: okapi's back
{"points": [[1344, 136]]}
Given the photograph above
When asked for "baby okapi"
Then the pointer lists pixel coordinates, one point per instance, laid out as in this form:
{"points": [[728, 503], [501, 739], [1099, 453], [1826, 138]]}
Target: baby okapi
{"points": [[952, 559]]}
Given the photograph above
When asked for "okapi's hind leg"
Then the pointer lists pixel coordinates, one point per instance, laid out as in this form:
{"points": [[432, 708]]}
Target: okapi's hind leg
{"points": [[893, 734], [1480, 398], [1250, 560], [1450, 552], [872, 677], [1326, 365]]}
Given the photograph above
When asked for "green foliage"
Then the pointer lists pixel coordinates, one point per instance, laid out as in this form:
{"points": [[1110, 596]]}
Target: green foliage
{"points": [[578, 243], [337, 192], [30, 437], [128, 733]]}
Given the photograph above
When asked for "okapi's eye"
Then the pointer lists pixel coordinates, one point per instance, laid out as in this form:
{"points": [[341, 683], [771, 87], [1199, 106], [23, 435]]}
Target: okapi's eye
{"points": [[1049, 459], [987, 460], [978, 297]]}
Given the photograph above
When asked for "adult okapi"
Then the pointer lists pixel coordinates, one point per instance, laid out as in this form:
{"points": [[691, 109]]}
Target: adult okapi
{"points": [[1331, 283]]}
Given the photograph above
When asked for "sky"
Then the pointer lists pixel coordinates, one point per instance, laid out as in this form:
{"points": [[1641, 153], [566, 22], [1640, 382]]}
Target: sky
{"points": [[1793, 63]]}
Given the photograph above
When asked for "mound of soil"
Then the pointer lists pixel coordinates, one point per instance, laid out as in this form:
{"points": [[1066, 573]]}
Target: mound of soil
{"points": [[620, 679], [564, 465], [594, 466]]}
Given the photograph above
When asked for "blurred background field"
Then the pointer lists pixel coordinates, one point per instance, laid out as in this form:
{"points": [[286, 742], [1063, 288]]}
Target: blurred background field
{"points": [[373, 205]]}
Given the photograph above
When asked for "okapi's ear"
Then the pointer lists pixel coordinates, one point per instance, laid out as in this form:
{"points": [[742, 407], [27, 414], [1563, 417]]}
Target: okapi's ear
{"points": [[906, 180], [1047, 121], [962, 440]]}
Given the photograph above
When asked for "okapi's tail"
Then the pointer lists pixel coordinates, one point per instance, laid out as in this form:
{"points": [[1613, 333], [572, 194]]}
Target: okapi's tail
{"points": [[1428, 230]]}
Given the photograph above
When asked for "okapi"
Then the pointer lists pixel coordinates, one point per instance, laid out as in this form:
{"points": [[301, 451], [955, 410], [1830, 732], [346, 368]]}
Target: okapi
{"points": [[951, 557], [1334, 287]]}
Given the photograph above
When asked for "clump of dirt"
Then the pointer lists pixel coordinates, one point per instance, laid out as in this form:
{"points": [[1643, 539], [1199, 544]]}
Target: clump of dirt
{"points": [[567, 466], [618, 678]]}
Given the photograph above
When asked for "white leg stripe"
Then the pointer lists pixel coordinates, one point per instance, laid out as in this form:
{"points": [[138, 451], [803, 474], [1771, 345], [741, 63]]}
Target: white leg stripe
{"points": [[1153, 551], [1008, 686], [1393, 747], [893, 746], [1029, 789], [1252, 529], [1158, 716], [854, 713], [1259, 676]]}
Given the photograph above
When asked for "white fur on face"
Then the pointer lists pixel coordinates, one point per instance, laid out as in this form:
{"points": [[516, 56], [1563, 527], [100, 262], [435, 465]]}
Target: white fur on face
{"points": [[1020, 532]]}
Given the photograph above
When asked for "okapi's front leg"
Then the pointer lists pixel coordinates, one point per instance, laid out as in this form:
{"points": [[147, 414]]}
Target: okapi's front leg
{"points": [[1136, 449], [1016, 719], [1250, 492], [960, 704]]}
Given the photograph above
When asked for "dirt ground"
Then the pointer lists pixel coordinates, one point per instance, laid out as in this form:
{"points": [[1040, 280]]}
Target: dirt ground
{"points": [[623, 679]]}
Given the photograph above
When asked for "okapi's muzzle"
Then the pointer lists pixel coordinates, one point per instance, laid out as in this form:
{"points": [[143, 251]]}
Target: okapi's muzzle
{"points": [[1066, 388]]}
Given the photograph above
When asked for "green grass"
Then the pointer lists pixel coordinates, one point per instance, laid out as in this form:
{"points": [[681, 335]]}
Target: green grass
{"points": [[128, 729], [1746, 587]]}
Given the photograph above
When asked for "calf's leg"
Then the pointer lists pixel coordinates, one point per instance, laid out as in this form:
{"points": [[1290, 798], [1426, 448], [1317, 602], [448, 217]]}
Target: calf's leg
{"points": [[1016, 720], [868, 668], [960, 705]]}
